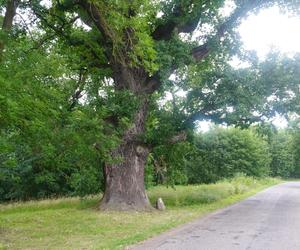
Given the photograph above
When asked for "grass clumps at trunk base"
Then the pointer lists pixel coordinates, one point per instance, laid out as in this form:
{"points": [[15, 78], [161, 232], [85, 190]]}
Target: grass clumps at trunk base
{"points": [[73, 223]]}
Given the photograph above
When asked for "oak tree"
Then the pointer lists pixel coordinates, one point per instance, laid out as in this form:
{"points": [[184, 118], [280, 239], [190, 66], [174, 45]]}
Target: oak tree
{"points": [[128, 50]]}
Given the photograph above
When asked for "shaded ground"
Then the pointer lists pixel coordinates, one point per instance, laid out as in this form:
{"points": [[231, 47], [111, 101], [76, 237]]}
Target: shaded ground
{"points": [[270, 220]]}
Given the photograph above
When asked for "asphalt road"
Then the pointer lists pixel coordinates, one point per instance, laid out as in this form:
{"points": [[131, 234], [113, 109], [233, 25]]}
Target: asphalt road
{"points": [[270, 220]]}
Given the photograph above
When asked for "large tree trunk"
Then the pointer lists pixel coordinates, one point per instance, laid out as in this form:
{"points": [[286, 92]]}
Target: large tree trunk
{"points": [[124, 181]]}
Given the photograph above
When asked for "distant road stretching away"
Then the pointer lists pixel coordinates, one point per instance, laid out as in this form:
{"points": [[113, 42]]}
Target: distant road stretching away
{"points": [[270, 220]]}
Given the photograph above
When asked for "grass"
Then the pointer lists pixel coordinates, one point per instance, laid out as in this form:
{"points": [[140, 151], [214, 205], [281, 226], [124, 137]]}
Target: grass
{"points": [[72, 223]]}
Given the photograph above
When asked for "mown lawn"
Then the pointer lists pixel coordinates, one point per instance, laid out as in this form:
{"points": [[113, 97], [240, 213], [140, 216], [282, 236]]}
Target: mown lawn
{"points": [[73, 223]]}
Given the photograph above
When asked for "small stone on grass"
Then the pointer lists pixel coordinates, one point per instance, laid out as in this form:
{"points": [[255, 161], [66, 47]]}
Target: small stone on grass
{"points": [[160, 204]]}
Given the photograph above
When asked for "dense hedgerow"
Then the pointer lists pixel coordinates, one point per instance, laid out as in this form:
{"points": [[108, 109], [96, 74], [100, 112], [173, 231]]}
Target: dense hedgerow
{"points": [[222, 153]]}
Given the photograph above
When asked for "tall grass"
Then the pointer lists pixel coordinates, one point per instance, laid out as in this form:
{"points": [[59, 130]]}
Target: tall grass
{"points": [[172, 196], [206, 193]]}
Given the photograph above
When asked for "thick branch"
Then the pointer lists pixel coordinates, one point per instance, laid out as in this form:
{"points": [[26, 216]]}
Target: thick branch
{"points": [[152, 84], [98, 19], [165, 30], [201, 52]]}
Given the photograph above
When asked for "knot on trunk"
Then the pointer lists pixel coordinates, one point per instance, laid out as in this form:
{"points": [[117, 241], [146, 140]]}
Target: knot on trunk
{"points": [[178, 138], [141, 150]]}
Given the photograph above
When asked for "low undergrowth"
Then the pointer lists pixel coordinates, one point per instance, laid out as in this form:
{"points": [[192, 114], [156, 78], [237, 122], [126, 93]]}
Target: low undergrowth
{"points": [[73, 223], [206, 193]]}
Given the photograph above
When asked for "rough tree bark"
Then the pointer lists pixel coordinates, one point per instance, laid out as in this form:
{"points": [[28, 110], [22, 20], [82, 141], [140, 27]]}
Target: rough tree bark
{"points": [[124, 180]]}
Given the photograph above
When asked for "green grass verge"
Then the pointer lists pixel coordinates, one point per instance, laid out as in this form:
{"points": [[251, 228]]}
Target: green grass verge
{"points": [[71, 223]]}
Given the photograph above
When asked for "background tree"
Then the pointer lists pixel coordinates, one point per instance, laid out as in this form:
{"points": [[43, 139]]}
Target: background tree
{"points": [[295, 134], [282, 150], [223, 153], [45, 148]]}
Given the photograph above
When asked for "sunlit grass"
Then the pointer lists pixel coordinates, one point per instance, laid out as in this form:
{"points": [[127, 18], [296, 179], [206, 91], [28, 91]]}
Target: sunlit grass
{"points": [[73, 223]]}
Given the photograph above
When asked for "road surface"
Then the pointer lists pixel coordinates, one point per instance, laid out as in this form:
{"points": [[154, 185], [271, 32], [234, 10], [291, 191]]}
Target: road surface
{"points": [[270, 220]]}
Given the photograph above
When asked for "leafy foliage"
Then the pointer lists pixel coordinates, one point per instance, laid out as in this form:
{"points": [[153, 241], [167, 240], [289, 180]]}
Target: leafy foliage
{"points": [[223, 153], [282, 151], [44, 146]]}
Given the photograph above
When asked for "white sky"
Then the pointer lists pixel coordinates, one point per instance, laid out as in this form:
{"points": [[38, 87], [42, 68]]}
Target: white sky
{"points": [[270, 28]]}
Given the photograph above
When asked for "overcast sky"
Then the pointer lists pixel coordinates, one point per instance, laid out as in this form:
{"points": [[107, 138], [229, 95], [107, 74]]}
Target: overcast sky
{"points": [[270, 28]]}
